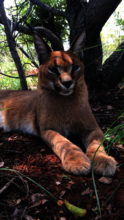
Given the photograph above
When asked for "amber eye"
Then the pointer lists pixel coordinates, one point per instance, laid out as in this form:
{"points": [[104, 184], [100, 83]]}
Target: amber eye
{"points": [[54, 70], [75, 68]]}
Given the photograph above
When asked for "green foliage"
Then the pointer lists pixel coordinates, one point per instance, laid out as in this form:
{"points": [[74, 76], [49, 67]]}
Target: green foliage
{"points": [[37, 17], [112, 33], [7, 65], [110, 42], [9, 83], [119, 20], [14, 84], [58, 25]]}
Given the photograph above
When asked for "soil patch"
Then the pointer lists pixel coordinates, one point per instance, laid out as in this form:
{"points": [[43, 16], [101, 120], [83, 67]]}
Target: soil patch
{"points": [[27, 154]]}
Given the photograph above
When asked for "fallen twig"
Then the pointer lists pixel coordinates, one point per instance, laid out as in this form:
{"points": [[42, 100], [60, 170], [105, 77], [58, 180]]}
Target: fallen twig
{"points": [[7, 185]]}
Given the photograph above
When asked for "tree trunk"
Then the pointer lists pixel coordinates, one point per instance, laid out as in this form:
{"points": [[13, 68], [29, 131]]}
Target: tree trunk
{"points": [[91, 16], [113, 68], [12, 47], [96, 14]]}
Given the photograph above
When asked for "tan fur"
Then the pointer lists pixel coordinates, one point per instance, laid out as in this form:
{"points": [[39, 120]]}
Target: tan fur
{"points": [[57, 113]]}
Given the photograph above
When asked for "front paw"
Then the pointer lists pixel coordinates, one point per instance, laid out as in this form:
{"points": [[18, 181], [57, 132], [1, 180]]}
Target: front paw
{"points": [[105, 165], [77, 163]]}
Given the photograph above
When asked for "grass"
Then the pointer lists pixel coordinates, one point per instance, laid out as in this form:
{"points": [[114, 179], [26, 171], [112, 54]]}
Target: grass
{"points": [[117, 132], [48, 192], [15, 171], [112, 135]]}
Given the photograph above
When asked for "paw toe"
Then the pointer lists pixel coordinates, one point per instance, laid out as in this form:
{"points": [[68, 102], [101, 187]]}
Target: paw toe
{"points": [[78, 166], [105, 165]]}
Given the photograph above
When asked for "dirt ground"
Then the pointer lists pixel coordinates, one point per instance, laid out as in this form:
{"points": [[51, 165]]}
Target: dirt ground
{"points": [[27, 154]]}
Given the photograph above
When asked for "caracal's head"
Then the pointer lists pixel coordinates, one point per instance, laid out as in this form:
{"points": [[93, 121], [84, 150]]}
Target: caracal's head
{"points": [[60, 71]]}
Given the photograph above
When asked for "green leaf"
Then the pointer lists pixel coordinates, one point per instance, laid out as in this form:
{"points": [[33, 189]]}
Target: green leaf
{"points": [[119, 49]]}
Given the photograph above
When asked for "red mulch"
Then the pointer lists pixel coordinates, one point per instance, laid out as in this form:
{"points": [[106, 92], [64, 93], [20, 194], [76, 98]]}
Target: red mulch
{"points": [[28, 155]]}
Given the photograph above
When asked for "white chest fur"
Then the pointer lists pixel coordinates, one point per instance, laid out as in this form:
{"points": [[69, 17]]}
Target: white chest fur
{"points": [[24, 126]]}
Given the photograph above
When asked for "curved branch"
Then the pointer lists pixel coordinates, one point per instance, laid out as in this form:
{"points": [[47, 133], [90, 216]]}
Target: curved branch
{"points": [[16, 77], [113, 68], [98, 13], [27, 55], [24, 17], [55, 42], [49, 9]]}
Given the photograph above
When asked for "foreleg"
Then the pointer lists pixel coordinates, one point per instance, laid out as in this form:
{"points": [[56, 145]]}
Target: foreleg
{"points": [[72, 158], [103, 164]]}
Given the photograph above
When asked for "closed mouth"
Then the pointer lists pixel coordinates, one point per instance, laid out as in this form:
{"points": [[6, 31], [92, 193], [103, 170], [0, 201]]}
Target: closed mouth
{"points": [[65, 93], [61, 91]]}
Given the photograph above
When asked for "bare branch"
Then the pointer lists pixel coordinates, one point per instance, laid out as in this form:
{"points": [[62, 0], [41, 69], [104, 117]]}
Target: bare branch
{"points": [[16, 77], [25, 16], [55, 42], [27, 55], [12, 47], [49, 9]]}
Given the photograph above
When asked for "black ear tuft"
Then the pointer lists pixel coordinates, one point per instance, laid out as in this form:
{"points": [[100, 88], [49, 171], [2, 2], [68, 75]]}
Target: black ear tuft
{"points": [[42, 48], [78, 44]]}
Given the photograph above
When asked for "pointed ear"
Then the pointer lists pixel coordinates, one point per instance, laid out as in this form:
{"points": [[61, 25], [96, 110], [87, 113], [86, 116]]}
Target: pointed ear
{"points": [[78, 44], [42, 48]]}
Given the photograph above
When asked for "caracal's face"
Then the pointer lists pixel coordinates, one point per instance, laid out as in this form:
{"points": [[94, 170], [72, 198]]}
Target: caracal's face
{"points": [[63, 72]]}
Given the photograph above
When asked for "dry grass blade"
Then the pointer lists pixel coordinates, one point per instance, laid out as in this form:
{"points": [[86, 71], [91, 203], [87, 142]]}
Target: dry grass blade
{"points": [[7, 185]]}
